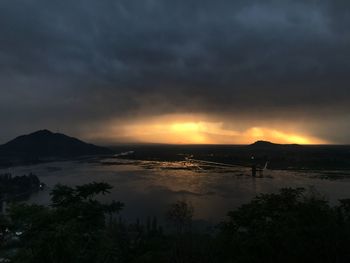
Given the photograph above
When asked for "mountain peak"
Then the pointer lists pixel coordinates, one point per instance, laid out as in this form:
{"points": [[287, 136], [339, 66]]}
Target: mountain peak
{"points": [[39, 133], [267, 144], [263, 144], [45, 131], [44, 143]]}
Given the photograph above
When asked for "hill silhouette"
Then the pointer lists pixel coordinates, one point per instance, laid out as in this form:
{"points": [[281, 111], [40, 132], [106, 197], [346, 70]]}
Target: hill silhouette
{"points": [[46, 144], [271, 145]]}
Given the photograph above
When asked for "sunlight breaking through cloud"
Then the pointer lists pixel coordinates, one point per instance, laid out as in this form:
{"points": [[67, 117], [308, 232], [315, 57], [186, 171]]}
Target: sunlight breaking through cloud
{"points": [[190, 129]]}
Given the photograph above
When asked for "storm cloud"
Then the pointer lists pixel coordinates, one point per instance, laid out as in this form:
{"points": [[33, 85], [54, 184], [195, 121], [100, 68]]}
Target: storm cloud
{"points": [[73, 65]]}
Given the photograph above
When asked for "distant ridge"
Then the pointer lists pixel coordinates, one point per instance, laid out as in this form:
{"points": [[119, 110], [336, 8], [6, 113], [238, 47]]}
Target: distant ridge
{"points": [[270, 145], [46, 144]]}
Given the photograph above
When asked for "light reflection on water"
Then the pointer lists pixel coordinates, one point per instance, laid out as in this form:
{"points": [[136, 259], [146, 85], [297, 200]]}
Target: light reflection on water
{"points": [[148, 187]]}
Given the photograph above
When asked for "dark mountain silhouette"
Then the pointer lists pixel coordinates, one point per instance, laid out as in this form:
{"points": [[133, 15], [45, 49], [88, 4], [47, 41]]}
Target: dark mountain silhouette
{"points": [[270, 145], [45, 144]]}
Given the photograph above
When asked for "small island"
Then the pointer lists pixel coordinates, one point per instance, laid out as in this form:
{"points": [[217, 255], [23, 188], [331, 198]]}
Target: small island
{"points": [[12, 187]]}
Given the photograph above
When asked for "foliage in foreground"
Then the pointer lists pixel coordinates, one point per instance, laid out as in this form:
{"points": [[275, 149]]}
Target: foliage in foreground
{"points": [[71, 230], [293, 225]]}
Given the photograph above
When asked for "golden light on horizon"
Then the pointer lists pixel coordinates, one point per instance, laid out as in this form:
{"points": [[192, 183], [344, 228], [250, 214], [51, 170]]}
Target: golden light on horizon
{"points": [[190, 131], [280, 137], [179, 129]]}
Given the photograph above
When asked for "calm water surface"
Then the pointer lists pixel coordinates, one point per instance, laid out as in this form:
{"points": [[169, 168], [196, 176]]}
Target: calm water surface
{"points": [[147, 188]]}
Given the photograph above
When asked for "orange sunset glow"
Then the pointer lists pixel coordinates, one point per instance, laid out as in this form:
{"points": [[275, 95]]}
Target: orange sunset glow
{"points": [[185, 129]]}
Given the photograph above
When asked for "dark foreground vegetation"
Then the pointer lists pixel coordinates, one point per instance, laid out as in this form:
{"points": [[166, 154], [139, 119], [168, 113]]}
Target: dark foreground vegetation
{"points": [[293, 225]]}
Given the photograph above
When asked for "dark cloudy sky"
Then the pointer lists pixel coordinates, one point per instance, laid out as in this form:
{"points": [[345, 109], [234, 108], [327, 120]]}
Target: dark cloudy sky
{"points": [[88, 67]]}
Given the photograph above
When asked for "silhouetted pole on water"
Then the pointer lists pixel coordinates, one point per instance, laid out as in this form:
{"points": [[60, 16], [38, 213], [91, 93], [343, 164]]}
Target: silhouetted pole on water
{"points": [[3, 207], [253, 167], [256, 168]]}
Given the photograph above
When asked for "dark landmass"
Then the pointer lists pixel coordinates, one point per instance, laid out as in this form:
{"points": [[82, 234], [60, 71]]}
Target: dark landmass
{"points": [[18, 186], [278, 156], [43, 146], [272, 146]]}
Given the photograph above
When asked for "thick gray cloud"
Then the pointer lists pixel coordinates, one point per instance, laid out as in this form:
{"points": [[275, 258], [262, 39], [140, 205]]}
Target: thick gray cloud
{"points": [[70, 65]]}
